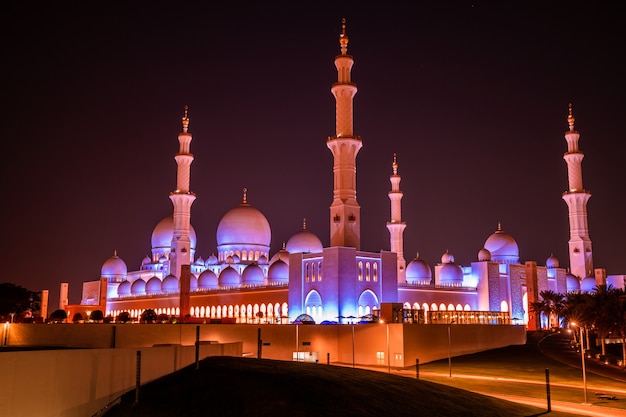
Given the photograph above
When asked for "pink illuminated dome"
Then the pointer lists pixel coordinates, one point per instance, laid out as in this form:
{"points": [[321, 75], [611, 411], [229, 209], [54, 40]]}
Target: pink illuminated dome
{"points": [[552, 262], [123, 290], [170, 284], [163, 233], [572, 283], [502, 246], [484, 255], [207, 280], [418, 272], [588, 284], [114, 268], [252, 275], [153, 286], [278, 273], [229, 278], [138, 287], [304, 241], [243, 231]]}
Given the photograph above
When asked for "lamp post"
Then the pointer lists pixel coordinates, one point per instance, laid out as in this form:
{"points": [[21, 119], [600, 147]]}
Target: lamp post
{"points": [[449, 354], [582, 359]]}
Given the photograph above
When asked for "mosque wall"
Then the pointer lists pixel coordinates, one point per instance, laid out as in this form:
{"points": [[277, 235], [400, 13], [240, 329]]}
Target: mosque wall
{"points": [[80, 382]]}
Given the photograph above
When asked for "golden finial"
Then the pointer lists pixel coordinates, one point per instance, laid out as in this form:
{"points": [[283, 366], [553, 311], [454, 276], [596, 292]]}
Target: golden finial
{"points": [[570, 118], [499, 227], [186, 119], [245, 195], [343, 38], [304, 224], [395, 164]]}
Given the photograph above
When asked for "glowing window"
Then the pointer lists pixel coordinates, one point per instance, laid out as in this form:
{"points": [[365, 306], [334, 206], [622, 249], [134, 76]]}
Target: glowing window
{"points": [[433, 307], [319, 271], [314, 273], [375, 272], [360, 271], [380, 358], [467, 308], [367, 271], [442, 307]]}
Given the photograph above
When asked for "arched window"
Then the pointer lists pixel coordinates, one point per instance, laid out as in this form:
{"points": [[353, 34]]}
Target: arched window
{"points": [[367, 271], [306, 273], [375, 272], [319, 271], [467, 308], [459, 307], [504, 306], [433, 307], [230, 310], [314, 273], [202, 311], [442, 307], [360, 271], [450, 307]]}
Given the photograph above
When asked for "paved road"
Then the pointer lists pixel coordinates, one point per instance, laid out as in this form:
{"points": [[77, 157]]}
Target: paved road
{"points": [[557, 347]]}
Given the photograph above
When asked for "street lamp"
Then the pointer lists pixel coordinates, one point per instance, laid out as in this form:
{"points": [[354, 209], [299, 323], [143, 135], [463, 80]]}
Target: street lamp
{"points": [[449, 355], [582, 358]]}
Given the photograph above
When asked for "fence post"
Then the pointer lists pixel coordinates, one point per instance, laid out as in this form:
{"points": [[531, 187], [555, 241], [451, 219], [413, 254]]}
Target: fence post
{"points": [[417, 368], [548, 389], [138, 377]]}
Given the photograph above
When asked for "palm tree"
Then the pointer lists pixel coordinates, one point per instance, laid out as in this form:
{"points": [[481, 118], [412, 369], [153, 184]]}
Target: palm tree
{"points": [[600, 320], [614, 316], [555, 306], [577, 307], [540, 308]]}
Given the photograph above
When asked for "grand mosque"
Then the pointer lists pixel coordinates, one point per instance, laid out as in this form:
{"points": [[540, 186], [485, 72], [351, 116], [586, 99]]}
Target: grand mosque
{"points": [[242, 282]]}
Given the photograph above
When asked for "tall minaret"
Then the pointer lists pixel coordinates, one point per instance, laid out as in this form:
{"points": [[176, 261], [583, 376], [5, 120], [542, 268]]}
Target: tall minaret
{"points": [[576, 197], [345, 212], [396, 226], [182, 199]]}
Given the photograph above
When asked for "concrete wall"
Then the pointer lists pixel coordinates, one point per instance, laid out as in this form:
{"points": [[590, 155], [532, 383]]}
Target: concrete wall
{"points": [[79, 382]]}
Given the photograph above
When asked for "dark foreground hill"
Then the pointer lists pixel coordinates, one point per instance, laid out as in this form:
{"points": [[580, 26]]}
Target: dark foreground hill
{"points": [[229, 386]]}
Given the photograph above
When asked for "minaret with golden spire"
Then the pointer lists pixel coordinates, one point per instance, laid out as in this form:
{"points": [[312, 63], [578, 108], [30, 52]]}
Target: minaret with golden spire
{"points": [[182, 199], [396, 226], [576, 197], [345, 211]]}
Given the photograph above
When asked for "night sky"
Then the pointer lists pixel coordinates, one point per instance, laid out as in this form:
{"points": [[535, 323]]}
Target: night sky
{"points": [[472, 96]]}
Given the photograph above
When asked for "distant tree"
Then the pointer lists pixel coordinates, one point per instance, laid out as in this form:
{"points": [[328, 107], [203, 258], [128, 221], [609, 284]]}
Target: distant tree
{"points": [[123, 317], [163, 318], [17, 299], [77, 318], [58, 316], [97, 316], [148, 316]]}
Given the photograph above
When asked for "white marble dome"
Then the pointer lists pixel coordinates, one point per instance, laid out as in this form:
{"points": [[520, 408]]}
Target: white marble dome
{"points": [[164, 232], [304, 241], [243, 225], [484, 255], [229, 278], [114, 268], [153, 286], [138, 287], [502, 246], [207, 280], [418, 272], [447, 258], [451, 274], [278, 273], [123, 290], [193, 283], [252, 275], [572, 283], [552, 262], [170, 284], [588, 284]]}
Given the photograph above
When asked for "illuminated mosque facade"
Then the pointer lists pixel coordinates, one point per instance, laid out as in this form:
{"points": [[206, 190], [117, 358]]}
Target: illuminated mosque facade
{"points": [[244, 283]]}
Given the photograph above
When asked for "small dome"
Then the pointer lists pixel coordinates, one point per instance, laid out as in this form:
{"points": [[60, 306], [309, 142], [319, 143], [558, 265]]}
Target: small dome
{"points": [[572, 283], [114, 267], [123, 290], [211, 260], [199, 261], [552, 262], [153, 286], [447, 258], [207, 280], [278, 273], [164, 232], [282, 254], [138, 287], [588, 284], [193, 283], [146, 261], [304, 241], [418, 272], [451, 274], [484, 255], [236, 259], [170, 284], [252, 275], [163, 259], [229, 278], [502, 246], [262, 260]]}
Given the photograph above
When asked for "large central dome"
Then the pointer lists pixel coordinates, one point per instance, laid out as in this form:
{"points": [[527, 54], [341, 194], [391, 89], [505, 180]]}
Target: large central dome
{"points": [[244, 225], [502, 247]]}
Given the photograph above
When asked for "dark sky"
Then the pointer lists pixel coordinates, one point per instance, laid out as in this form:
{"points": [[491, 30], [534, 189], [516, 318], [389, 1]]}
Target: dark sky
{"points": [[472, 96]]}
